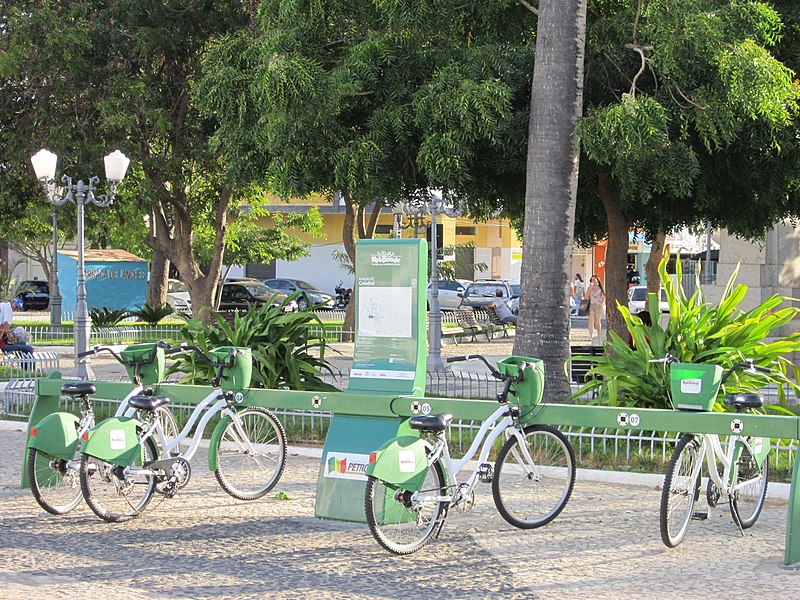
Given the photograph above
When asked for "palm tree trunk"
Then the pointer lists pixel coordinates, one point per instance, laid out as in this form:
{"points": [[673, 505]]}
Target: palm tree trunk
{"points": [[551, 187]]}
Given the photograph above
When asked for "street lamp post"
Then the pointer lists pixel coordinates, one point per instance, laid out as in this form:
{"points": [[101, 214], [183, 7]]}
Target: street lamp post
{"points": [[55, 291], [415, 210], [44, 164]]}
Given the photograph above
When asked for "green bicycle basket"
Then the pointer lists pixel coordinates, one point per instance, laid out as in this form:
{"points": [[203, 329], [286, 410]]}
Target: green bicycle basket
{"points": [[694, 386], [530, 389], [149, 374], [239, 375]]}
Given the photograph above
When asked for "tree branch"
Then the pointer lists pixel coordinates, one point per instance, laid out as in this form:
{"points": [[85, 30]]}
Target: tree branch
{"points": [[530, 7]]}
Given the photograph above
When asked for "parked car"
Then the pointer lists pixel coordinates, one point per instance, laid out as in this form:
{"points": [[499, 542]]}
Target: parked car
{"points": [[449, 293], [242, 293], [35, 294], [480, 293], [637, 299], [178, 296], [310, 295]]}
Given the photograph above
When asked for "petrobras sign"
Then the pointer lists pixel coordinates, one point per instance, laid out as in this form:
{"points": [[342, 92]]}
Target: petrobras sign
{"points": [[346, 465]]}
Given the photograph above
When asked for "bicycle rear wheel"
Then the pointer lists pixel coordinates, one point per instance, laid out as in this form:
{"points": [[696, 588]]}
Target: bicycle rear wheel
{"points": [[747, 501], [680, 491], [401, 523], [110, 494], [55, 482], [532, 485], [250, 462]]}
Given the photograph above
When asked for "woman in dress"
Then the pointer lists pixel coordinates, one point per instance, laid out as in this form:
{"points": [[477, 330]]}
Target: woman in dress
{"points": [[597, 306]]}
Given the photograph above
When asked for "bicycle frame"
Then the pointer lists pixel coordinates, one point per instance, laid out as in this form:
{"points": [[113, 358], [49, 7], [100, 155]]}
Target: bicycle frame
{"points": [[711, 448], [497, 424]]}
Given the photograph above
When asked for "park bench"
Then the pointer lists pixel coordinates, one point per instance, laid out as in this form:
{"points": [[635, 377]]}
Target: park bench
{"points": [[495, 321], [471, 326], [580, 363]]}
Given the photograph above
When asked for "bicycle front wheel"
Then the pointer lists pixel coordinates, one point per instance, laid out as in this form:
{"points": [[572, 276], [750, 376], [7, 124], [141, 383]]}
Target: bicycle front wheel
{"points": [[749, 488], [680, 491], [532, 484], [403, 521], [113, 496], [55, 482], [250, 459]]}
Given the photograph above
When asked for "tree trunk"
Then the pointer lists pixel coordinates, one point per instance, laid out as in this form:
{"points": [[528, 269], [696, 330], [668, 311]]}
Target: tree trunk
{"points": [[349, 238], [651, 266], [616, 285], [157, 286], [171, 235], [551, 187]]}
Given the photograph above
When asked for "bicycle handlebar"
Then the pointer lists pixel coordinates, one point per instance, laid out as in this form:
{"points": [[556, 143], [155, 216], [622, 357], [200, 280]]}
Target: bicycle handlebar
{"points": [[492, 369], [168, 349], [749, 366]]}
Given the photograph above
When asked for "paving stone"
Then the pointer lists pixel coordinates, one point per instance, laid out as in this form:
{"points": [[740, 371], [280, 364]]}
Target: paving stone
{"points": [[205, 544]]}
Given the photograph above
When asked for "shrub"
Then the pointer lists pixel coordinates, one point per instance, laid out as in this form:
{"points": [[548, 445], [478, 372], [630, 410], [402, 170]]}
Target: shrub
{"points": [[152, 314], [281, 344], [107, 317], [697, 332]]}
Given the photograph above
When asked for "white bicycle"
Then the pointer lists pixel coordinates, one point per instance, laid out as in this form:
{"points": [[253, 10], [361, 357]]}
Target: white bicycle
{"points": [[744, 459], [412, 483]]}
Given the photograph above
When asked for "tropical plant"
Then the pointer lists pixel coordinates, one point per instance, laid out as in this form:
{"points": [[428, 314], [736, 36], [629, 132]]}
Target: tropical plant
{"points": [[107, 317], [697, 332], [152, 314], [286, 354]]}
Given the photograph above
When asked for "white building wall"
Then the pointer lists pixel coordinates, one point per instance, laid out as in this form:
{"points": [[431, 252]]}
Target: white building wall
{"points": [[319, 269]]}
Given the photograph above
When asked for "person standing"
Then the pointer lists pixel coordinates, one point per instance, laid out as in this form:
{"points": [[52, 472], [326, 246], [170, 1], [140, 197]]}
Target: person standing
{"points": [[597, 307], [578, 287]]}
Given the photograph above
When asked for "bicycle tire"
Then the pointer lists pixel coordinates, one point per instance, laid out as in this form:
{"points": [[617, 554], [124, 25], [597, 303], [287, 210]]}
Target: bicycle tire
{"points": [[241, 473], [396, 524], [111, 497], [679, 492], [532, 495], [746, 502], [55, 482]]}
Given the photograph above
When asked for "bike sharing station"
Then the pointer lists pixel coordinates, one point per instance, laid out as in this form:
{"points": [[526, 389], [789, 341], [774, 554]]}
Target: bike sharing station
{"points": [[387, 387]]}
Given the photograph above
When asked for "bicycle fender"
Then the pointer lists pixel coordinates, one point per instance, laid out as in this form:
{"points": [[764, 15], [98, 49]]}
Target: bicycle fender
{"points": [[761, 447], [56, 435], [213, 443], [115, 441], [401, 462]]}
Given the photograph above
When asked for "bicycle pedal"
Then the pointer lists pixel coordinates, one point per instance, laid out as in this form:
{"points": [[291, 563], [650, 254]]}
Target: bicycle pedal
{"points": [[485, 473], [699, 516]]}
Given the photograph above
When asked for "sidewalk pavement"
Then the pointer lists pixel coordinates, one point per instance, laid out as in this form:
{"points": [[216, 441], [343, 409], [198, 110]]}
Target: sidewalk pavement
{"points": [[205, 544]]}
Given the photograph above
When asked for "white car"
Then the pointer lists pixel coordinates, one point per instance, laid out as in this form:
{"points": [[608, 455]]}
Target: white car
{"points": [[449, 290], [637, 299], [178, 296]]}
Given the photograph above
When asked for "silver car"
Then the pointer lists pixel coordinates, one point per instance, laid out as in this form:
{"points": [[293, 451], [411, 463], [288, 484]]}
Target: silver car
{"points": [[449, 293], [309, 296], [178, 296]]}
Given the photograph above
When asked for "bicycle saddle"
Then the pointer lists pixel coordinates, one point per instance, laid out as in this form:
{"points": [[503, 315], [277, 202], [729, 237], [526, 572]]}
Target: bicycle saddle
{"points": [[144, 402], [430, 422], [744, 400], [78, 388]]}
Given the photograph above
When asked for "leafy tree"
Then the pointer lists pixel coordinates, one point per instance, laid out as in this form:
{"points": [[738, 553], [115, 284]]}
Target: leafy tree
{"points": [[376, 101], [689, 120], [79, 77]]}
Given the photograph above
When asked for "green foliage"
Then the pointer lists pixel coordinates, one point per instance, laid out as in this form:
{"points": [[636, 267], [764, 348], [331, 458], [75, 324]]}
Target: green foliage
{"points": [[697, 332], [8, 283], [106, 317], [152, 314], [286, 354]]}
